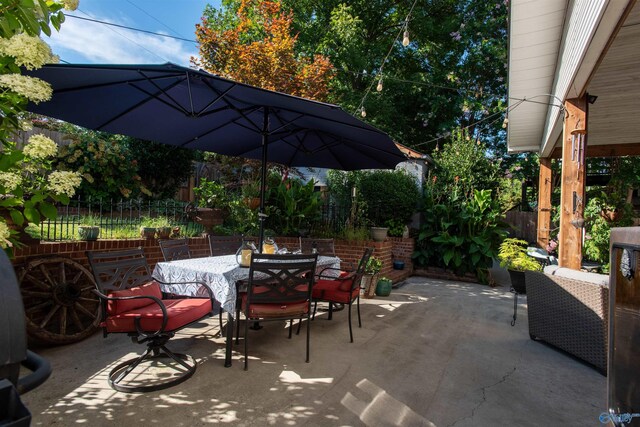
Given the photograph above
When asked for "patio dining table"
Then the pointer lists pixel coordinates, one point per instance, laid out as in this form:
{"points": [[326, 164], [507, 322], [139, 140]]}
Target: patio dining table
{"points": [[220, 273]]}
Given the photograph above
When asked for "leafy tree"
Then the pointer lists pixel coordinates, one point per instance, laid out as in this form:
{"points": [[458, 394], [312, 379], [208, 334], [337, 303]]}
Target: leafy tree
{"points": [[250, 41], [162, 168], [452, 74]]}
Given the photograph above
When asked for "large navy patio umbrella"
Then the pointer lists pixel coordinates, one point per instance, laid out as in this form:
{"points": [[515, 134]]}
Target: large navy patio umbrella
{"points": [[179, 106]]}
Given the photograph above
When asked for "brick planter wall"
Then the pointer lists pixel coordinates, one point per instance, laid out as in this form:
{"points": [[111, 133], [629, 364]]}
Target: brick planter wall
{"points": [[348, 251]]}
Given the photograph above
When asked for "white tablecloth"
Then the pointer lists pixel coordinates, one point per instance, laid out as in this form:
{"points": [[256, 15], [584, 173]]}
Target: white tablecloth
{"points": [[220, 273]]}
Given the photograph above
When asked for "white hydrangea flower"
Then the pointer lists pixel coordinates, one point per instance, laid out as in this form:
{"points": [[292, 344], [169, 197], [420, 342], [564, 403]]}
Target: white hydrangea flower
{"points": [[4, 235], [28, 51], [64, 182], [10, 180], [34, 89], [70, 4], [40, 147]]}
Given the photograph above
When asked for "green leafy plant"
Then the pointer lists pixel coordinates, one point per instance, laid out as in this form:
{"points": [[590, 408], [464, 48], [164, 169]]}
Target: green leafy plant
{"points": [[374, 265], [390, 196], [155, 222], [291, 204], [396, 227], [211, 194], [513, 256], [89, 220]]}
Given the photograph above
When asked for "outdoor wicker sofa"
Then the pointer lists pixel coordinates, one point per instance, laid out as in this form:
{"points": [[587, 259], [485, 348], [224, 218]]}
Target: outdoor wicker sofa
{"points": [[569, 309]]}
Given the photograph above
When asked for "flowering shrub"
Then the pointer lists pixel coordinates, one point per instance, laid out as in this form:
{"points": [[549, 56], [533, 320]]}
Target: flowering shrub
{"points": [[28, 187]]}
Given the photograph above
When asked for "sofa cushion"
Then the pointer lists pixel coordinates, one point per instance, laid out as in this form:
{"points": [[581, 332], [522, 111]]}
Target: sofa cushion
{"points": [[595, 278]]}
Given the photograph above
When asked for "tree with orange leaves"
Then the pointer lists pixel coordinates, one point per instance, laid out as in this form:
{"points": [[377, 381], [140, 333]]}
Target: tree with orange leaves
{"points": [[250, 41]]}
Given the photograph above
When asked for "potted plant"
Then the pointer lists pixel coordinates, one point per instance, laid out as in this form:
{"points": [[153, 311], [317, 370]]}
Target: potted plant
{"points": [[150, 226], [383, 287], [213, 204], [370, 277], [379, 234], [251, 194], [89, 229], [513, 256]]}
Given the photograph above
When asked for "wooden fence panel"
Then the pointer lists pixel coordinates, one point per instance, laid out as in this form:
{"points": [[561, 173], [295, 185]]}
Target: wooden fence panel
{"points": [[525, 225]]}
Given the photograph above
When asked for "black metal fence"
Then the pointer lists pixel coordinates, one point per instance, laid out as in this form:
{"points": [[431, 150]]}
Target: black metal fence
{"points": [[117, 219], [122, 219]]}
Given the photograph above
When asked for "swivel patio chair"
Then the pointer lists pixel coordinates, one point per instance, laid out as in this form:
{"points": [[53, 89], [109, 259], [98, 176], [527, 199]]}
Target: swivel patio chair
{"points": [[224, 245], [344, 289], [133, 303], [174, 249], [279, 288]]}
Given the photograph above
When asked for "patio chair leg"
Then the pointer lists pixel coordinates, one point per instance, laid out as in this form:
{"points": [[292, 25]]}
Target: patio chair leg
{"points": [[330, 311], [308, 331], [358, 305], [290, 327], [299, 325], [350, 330], [315, 307], [515, 308], [132, 366], [246, 344], [238, 326], [220, 319]]}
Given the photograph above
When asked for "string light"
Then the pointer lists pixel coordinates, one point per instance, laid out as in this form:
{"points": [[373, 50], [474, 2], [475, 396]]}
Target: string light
{"points": [[505, 122], [405, 36], [363, 112], [379, 87]]}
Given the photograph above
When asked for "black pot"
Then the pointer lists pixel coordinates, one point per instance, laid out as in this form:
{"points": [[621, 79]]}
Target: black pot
{"points": [[517, 281]]}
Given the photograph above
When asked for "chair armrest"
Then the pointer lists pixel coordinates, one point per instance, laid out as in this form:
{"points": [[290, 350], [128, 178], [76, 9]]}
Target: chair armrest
{"points": [[156, 300]]}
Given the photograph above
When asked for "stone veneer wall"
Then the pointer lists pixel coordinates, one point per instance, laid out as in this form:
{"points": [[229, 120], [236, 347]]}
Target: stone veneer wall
{"points": [[349, 252]]}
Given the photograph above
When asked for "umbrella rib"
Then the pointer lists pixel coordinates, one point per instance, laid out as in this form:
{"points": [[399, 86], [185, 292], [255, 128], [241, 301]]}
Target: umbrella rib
{"points": [[144, 101], [166, 93], [220, 96], [109, 84], [328, 147], [285, 124], [235, 122]]}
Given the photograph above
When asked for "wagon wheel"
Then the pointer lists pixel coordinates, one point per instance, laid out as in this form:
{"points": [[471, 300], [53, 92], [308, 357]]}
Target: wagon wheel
{"points": [[59, 304]]}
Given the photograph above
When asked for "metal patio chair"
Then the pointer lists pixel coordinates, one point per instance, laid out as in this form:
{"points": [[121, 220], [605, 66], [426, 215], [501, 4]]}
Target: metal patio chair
{"points": [[133, 303], [344, 289]]}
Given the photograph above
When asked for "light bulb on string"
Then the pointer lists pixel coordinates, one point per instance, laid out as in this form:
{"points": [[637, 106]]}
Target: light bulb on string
{"points": [[405, 38], [379, 87], [505, 123], [363, 112]]}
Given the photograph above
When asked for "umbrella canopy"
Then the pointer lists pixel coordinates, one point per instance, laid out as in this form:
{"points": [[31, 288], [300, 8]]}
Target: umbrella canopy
{"points": [[187, 108], [179, 106]]}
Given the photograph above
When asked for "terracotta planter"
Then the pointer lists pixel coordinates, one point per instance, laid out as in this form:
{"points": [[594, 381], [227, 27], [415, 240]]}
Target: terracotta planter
{"points": [[209, 217], [252, 203]]}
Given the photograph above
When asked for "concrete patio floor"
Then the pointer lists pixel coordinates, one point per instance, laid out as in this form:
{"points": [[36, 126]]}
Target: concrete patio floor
{"points": [[434, 353]]}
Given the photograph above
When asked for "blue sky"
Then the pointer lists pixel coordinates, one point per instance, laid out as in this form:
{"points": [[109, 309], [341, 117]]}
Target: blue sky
{"points": [[82, 41]]}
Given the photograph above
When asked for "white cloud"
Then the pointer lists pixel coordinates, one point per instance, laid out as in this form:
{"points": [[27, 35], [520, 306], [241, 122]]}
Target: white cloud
{"points": [[85, 41]]}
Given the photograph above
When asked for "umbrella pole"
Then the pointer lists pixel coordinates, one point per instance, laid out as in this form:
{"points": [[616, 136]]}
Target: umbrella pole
{"points": [[263, 181]]}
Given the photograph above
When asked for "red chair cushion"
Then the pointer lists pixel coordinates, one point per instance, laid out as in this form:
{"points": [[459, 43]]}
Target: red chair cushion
{"points": [[344, 274], [289, 309], [332, 291], [180, 312], [121, 306], [339, 284]]}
